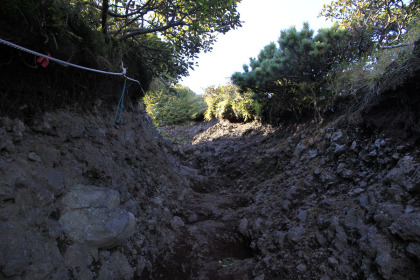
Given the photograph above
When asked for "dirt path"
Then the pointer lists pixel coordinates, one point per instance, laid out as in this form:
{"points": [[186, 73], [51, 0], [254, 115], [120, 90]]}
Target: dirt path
{"points": [[210, 246]]}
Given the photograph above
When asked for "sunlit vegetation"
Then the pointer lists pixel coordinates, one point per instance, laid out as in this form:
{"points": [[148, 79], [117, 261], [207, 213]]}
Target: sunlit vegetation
{"points": [[226, 102], [303, 74], [173, 105]]}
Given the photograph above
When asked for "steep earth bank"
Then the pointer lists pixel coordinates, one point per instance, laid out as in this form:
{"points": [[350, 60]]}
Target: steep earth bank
{"points": [[82, 198]]}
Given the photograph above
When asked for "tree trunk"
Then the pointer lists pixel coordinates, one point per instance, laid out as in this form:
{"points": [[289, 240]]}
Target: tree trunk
{"points": [[105, 7]]}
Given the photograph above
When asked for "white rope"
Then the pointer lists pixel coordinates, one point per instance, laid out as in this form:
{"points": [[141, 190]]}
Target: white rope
{"points": [[65, 63]]}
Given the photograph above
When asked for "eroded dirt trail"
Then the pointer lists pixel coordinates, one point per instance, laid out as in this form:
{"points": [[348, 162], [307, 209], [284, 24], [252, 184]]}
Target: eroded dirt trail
{"points": [[298, 203], [210, 246], [242, 201]]}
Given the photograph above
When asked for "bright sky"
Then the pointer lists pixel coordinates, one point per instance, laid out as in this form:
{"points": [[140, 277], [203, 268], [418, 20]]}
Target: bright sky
{"points": [[263, 21]]}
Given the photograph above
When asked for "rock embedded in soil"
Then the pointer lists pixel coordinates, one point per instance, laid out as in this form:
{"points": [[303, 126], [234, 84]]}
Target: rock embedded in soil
{"points": [[407, 227], [91, 216], [296, 234]]}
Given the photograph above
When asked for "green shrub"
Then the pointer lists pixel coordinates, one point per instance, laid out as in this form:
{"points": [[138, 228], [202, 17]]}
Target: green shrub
{"points": [[288, 78], [226, 102], [173, 105]]}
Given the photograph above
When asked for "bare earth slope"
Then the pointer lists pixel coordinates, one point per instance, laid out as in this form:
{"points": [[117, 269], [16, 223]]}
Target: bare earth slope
{"points": [[82, 198]]}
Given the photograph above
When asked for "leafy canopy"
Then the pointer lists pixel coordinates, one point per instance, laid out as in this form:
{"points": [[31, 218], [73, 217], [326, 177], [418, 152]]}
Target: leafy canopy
{"points": [[185, 27], [383, 22]]}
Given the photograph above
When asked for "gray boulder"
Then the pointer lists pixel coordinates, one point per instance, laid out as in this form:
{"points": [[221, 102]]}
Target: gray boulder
{"points": [[91, 216], [81, 197]]}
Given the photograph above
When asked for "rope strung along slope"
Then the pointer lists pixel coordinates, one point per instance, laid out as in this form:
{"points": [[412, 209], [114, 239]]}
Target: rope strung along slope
{"points": [[65, 63], [120, 105]]}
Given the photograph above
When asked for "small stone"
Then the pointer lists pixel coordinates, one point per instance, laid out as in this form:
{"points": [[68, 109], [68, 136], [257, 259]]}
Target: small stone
{"points": [[377, 143], [357, 191], [55, 181], [117, 267], [364, 201], [296, 234], [354, 219], [340, 168], [339, 149], [34, 157], [302, 215], [301, 268], [313, 153], [243, 227], [320, 239], [21, 182], [336, 136], [387, 213], [332, 261], [347, 174], [177, 223], [279, 238], [299, 149], [285, 205], [130, 205]]}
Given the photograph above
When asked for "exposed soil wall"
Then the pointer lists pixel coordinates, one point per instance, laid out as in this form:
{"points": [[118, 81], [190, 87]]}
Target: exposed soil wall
{"points": [[42, 163]]}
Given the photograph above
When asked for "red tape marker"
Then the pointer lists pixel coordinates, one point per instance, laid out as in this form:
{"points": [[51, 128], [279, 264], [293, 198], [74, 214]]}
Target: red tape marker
{"points": [[44, 61]]}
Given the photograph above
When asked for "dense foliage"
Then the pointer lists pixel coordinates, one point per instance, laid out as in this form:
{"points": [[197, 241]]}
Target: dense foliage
{"points": [[179, 29], [172, 105], [226, 102], [381, 22], [304, 74], [165, 35], [289, 78]]}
